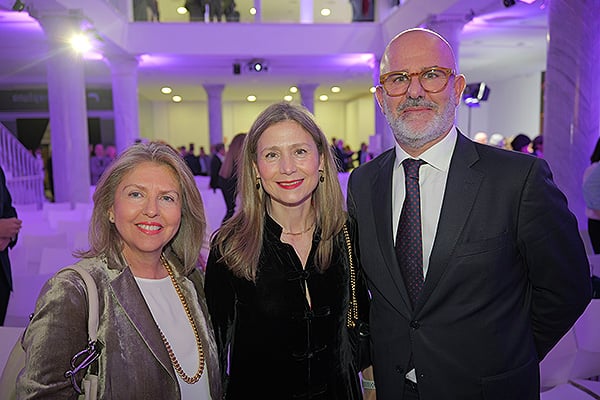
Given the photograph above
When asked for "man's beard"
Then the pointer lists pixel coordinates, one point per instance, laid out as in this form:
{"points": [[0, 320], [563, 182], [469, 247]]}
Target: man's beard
{"points": [[417, 138]]}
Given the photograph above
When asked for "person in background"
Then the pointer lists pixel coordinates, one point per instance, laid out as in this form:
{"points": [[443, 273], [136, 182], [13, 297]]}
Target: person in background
{"points": [[10, 226], [111, 153], [204, 161], [481, 137], [472, 256], [154, 329], [215, 166], [228, 174], [191, 160], [277, 277], [521, 143], [497, 140], [537, 146], [98, 163], [363, 154], [591, 196]]}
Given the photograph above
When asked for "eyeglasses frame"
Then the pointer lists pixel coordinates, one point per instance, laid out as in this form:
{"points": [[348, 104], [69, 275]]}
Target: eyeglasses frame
{"points": [[447, 71]]}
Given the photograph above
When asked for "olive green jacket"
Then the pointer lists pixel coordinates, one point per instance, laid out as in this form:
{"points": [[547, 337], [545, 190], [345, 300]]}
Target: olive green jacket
{"points": [[134, 363]]}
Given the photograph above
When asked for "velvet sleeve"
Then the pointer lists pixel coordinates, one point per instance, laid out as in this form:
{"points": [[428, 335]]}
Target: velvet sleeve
{"points": [[220, 299], [57, 331]]}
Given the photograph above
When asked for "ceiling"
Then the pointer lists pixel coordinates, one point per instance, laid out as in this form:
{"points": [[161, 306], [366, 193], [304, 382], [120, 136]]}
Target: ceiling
{"points": [[497, 43]]}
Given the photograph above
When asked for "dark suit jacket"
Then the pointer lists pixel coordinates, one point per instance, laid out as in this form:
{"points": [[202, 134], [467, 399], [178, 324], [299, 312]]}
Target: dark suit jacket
{"points": [[508, 276], [6, 211], [215, 166]]}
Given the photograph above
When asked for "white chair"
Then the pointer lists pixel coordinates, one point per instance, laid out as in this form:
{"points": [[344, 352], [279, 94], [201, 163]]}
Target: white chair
{"points": [[26, 289], [587, 335], [8, 337], [555, 368], [587, 242], [55, 258], [35, 243]]}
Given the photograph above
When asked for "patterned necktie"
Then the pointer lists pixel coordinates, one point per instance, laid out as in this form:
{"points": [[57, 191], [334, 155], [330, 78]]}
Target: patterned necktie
{"points": [[409, 244]]}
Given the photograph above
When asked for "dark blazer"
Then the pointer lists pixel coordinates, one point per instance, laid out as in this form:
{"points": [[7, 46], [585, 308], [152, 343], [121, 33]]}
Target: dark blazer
{"points": [[215, 166], [6, 211], [508, 276]]}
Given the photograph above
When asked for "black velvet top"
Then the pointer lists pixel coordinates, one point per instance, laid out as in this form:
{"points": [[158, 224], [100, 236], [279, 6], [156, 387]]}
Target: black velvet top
{"points": [[282, 348]]}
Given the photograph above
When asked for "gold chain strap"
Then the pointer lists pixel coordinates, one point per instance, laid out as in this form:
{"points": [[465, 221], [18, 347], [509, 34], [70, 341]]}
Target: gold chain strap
{"points": [[352, 315]]}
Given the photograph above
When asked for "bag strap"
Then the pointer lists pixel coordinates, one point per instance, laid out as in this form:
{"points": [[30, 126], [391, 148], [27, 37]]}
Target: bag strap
{"points": [[83, 359], [92, 295], [352, 315]]}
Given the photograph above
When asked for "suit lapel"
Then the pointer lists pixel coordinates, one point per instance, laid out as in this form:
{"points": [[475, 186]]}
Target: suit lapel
{"points": [[461, 190], [130, 298], [381, 193]]}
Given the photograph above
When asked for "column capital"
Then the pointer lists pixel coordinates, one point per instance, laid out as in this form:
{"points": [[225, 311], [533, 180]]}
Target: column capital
{"points": [[60, 27], [124, 63], [213, 89]]}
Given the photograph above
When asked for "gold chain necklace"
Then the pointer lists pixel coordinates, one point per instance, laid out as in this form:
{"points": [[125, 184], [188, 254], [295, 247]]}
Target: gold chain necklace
{"points": [[300, 233], [185, 377]]}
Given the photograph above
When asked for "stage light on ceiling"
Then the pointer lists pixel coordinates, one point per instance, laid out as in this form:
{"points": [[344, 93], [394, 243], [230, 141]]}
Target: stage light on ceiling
{"points": [[18, 6], [475, 93], [257, 65], [177, 99], [182, 10], [81, 43], [323, 97], [252, 11], [166, 90], [293, 89], [372, 89], [335, 89], [288, 98], [251, 98], [326, 12]]}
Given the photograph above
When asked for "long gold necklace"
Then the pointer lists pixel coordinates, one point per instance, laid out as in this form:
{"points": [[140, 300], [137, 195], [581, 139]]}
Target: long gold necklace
{"points": [[185, 377]]}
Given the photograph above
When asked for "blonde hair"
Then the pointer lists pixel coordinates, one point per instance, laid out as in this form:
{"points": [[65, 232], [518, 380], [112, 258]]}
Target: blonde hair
{"points": [[240, 239], [104, 238]]}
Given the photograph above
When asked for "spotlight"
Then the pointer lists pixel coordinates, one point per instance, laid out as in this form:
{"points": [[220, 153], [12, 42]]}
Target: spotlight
{"points": [[475, 93], [257, 66], [18, 6], [508, 3]]}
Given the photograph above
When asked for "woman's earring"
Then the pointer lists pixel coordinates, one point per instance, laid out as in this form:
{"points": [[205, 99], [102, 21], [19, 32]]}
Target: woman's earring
{"points": [[321, 177], [111, 218], [257, 183]]}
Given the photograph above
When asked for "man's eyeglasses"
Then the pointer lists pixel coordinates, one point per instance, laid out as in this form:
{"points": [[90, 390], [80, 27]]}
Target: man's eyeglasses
{"points": [[432, 80]]}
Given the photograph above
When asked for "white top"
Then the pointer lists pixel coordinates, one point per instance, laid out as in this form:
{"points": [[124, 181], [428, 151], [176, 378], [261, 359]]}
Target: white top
{"points": [[169, 314]]}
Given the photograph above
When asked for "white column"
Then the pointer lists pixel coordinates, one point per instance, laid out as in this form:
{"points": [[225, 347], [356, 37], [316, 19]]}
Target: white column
{"points": [[125, 99], [307, 94], [306, 11], [258, 8], [215, 112], [68, 114], [572, 95]]}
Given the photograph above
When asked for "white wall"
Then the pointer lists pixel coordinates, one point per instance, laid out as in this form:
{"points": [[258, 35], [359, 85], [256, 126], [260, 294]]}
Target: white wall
{"points": [[514, 106]]}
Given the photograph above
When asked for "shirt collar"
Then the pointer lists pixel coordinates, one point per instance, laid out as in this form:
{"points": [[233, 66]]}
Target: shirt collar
{"points": [[438, 156]]}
